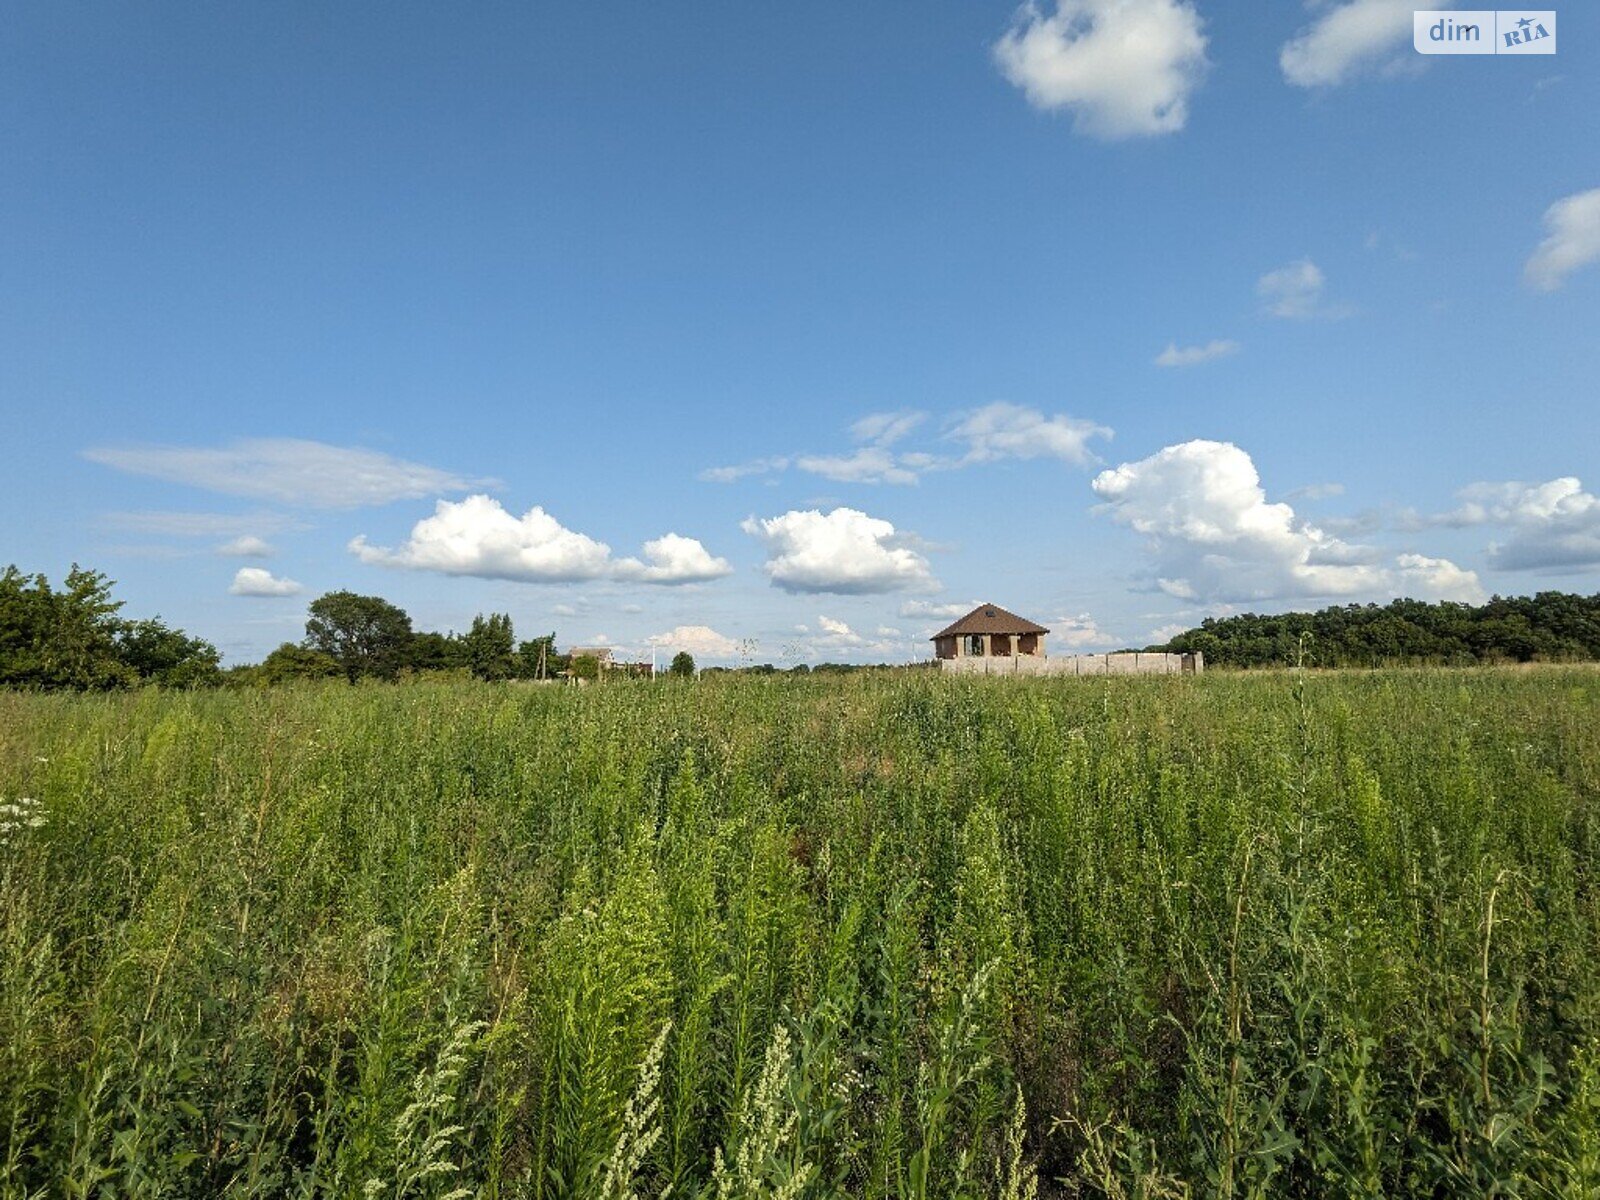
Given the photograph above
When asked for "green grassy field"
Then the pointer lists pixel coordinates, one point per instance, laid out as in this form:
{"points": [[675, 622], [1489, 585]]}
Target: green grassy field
{"points": [[889, 935]]}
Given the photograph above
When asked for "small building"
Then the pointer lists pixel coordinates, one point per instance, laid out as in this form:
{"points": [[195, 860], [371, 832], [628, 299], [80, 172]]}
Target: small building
{"points": [[989, 631], [601, 654]]}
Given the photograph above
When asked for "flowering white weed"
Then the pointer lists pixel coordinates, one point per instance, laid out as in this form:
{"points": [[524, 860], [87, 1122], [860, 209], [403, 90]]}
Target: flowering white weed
{"points": [[22, 813], [640, 1129]]}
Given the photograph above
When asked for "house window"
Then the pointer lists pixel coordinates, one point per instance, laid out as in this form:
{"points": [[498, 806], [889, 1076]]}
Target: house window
{"points": [[974, 645]]}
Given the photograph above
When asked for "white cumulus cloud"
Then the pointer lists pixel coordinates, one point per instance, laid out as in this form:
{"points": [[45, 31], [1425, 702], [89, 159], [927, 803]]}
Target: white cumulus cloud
{"points": [[246, 546], [1294, 290], [699, 640], [1554, 525], [998, 431], [844, 551], [1123, 68], [838, 632], [1080, 632], [1214, 535], [1346, 38], [673, 558], [1191, 356], [1572, 240], [478, 537], [837, 639], [290, 471], [254, 581], [1435, 578], [1163, 634]]}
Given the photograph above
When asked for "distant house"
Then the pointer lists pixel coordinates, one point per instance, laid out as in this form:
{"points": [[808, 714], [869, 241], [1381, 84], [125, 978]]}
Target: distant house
{"points": [[991, 641], [602, 654], [989, 631]]}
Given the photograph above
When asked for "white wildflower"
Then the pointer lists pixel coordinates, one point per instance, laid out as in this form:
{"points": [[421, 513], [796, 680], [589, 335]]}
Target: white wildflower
{"points": [[23, 813]]}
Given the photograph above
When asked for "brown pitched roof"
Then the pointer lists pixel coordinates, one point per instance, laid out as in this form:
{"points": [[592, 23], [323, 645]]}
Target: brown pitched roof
{"points": [[989, 618]]}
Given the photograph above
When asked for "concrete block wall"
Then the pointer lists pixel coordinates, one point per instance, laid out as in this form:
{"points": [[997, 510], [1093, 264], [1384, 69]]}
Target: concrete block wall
{"points": [[1073, 664]]}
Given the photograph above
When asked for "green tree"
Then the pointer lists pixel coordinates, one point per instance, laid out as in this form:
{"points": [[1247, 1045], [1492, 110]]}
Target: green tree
{"points": [[72, 637], [536, 658], [682, 665], [431, 651], [584, 666], [27, 615], [168, 657], [60, 639], [82, 651], [365, 635], [291, 661], [491, 647]]}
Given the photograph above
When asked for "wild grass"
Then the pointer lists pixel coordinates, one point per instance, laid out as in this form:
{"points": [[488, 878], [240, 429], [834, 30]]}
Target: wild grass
{"points": [[1275, 935]]}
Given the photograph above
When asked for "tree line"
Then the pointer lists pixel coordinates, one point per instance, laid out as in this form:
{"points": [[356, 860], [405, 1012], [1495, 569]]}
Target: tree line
{"points": [[366, 637], [1547, 627], [74, 638]]}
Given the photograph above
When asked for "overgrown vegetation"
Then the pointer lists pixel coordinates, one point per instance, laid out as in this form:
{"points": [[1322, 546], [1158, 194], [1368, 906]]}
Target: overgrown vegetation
{"points": [[875, 936], [1548, 627]]}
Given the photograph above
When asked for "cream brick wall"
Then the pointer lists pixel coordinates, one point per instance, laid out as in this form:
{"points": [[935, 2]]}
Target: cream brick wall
{"points": [[1072, 664]]}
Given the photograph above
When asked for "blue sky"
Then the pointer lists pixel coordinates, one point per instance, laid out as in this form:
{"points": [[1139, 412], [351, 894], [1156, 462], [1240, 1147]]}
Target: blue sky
{"points": [[864, 304]]}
